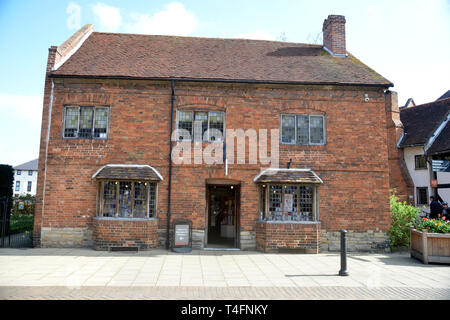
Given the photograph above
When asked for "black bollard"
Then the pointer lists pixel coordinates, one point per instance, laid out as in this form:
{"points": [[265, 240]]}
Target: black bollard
{"points": [[343, 271]]}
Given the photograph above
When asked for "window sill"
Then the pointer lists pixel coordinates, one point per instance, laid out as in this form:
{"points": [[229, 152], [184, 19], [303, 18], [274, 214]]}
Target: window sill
{"points": [[124, 219], [288, 222]]}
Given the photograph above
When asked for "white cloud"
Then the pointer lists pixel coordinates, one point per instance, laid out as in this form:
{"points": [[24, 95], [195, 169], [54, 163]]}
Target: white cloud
{"points": [[173, 20], [74, 19], [21, 123], [22, 106], [256, 35], [109, 17]]}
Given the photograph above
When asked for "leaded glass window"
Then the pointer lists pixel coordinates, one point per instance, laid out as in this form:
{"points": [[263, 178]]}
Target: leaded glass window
{"points": [[128, 199], [210, 122], [306, 203], [303, 129], [86, 122], [109, 199], [288, 202], [101, 123], [275, 200], [316, 130], [216, 122], [71, 122], [288, 129], [86, 116]]}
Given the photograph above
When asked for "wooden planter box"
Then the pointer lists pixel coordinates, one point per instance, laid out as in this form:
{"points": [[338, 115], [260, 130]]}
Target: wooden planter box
{"points": [[430, 247]]}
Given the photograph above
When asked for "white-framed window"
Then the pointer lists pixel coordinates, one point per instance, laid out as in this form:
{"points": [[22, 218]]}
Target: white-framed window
{"points": [[86, 122], [18, 172], [127, 199], [30, 172], [302, 129], [210, 125], [17, 185], [288, 202], [29, 186]]}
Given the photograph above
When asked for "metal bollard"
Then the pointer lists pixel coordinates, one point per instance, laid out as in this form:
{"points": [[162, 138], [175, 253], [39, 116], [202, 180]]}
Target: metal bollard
{"points": [[343, 271]]}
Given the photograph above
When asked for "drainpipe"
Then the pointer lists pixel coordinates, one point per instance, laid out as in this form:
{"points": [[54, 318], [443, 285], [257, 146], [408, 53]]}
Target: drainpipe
{"points": [[172, 102]]}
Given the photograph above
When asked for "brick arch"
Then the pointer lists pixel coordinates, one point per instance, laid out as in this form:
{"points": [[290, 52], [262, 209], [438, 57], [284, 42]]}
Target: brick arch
{"points": [[201, 106], [87, 99]]}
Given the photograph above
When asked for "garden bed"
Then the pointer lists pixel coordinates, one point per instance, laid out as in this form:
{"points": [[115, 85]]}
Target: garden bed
{"points": [[430, 247]]}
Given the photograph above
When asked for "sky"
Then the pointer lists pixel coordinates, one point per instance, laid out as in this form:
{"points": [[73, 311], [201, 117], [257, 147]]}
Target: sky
{"points": [[406, 41]]}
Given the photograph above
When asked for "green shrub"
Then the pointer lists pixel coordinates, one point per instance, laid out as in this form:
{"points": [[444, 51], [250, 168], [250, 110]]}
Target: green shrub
{"points": [[21, 223], [403, 217]]}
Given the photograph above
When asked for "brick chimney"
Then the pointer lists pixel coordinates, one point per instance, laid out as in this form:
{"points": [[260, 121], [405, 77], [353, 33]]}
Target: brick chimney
{"points": [[334, 35]]}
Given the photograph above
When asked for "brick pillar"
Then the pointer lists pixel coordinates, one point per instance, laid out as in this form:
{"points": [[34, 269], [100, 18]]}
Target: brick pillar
{"points": [[52, 51], [399, 177]]}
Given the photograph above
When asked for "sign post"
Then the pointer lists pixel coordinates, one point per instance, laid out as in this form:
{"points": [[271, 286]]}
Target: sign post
{"points": [[182, 238]]}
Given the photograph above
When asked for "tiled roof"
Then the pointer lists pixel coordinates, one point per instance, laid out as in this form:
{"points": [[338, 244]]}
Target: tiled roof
{"points": [[30, 165], [115, 55], [420, 122], [445, 95], [287, 176], [442, 142], [131, 172]]}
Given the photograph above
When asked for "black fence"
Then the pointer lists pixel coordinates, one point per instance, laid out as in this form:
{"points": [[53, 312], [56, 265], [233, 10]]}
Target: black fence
{"points": [[8, 238]]}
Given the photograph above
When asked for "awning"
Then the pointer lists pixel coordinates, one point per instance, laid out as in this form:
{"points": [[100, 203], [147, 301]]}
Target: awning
{"points": [[276, 175], [127, 172]]}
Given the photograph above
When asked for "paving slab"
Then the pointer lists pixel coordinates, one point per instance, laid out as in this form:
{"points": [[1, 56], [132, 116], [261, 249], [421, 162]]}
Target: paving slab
{"points": [[88, 274]]}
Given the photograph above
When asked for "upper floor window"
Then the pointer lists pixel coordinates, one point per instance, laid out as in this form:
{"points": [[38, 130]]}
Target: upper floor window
{"points": [[303, 129], [86, 122], [30, 172], [206, 125], [420, 161]]}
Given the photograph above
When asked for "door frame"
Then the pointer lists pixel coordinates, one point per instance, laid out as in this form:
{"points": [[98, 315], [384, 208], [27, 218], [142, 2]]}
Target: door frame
{"points": [[237, 194]]}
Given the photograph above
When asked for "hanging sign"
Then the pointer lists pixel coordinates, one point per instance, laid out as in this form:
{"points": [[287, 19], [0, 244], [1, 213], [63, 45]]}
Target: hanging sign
{"points": [[434, 183], [440, 165]]}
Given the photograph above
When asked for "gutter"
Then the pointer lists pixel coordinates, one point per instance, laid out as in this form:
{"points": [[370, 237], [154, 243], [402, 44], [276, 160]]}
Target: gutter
{"points": [[63, 76], [172, 102]]}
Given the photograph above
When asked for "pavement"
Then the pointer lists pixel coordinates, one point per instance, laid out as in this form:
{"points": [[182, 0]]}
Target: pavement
{"points": [[77, 273]]}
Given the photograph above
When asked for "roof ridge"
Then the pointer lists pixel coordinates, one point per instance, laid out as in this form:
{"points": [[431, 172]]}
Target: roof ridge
{"points": [[442, 101], [206, 38]]}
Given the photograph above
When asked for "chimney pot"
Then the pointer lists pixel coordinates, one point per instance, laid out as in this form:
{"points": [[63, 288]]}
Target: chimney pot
{"points": [[334, 35]]}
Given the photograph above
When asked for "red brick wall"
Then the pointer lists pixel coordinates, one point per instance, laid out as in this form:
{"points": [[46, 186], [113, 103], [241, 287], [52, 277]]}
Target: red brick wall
{"points": [[352, 164], [298, 236], [125, 232]]}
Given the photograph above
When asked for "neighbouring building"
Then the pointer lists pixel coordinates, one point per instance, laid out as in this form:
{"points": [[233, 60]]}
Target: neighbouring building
{"points": [[25, 178], [122, 111], [426, 137]]}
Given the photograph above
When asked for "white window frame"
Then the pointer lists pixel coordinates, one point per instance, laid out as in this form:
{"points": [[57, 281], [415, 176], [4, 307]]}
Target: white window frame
{"points": [[193, 121], [309, 129], [93, 122]]}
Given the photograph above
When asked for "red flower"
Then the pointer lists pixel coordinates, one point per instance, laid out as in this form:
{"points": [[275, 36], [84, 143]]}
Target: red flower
{"points": [[439, 215], [425, 219]]}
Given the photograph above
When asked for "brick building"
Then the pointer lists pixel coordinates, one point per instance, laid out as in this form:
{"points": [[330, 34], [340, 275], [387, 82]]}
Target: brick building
{"points": [[112, 102]]}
